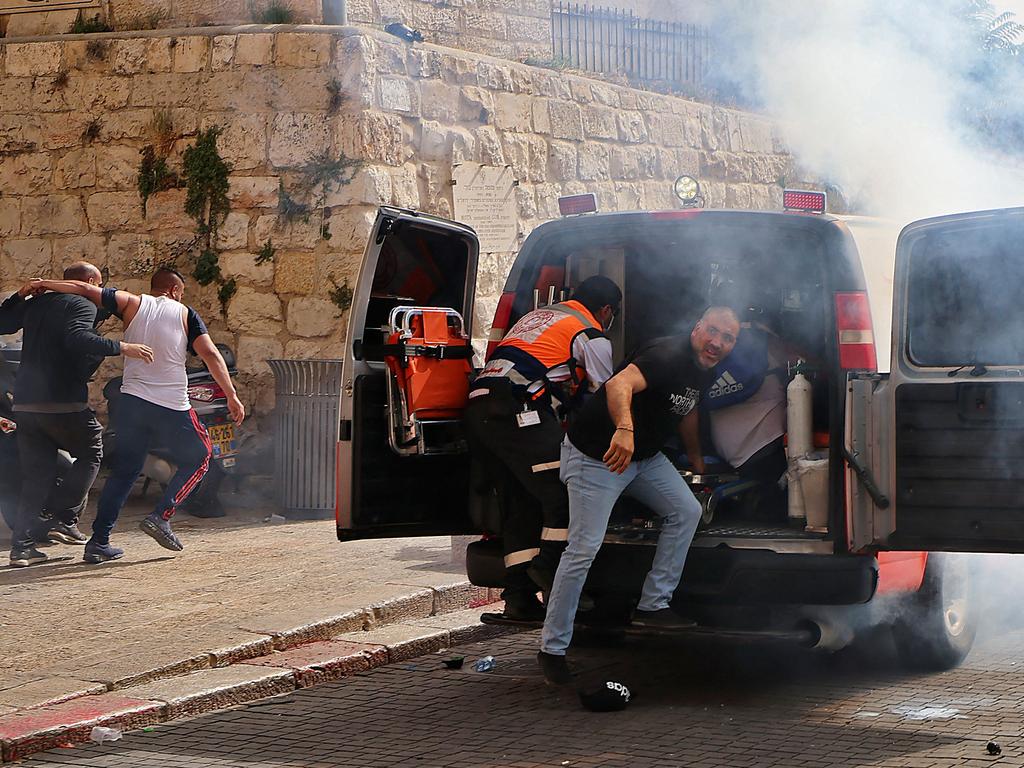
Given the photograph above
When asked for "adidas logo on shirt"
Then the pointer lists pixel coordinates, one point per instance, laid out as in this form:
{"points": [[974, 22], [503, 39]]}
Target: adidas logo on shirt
{"points": [[724, 385]]}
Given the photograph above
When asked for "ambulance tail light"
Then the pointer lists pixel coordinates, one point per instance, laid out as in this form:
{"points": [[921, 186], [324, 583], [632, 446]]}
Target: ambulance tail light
{"points": [[856, 337], [803, 200], [500, 325]]}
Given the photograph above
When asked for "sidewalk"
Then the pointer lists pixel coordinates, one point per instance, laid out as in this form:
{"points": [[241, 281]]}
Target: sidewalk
{"points": [[126, 642]]}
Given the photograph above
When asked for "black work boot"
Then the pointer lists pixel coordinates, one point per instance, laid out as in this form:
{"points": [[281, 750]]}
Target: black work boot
{"points": [[520, 596]]}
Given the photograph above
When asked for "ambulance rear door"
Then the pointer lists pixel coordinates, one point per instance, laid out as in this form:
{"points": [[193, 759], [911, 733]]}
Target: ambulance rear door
{"points": [[935, 449], [411, 259]]}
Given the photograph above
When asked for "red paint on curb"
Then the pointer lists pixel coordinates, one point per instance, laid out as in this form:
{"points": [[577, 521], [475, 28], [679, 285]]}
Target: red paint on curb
{"points": [[35, 730]]}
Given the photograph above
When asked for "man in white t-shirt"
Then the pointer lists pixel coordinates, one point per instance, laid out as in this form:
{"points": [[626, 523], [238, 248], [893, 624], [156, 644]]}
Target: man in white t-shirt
{"points": [[154, 408]]}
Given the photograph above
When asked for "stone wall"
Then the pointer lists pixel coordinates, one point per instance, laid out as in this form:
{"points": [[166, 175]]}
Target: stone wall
{"points": [[76, 112], [511, 29]]}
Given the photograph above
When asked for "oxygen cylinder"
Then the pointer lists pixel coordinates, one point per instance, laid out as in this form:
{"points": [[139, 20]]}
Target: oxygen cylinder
{"points": [[799, 438], [798, 417]]}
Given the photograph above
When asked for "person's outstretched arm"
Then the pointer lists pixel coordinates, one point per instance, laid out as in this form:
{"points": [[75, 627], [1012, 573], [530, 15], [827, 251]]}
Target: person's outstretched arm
{"points": [[114, 301], [207, 350], [619, 390]]}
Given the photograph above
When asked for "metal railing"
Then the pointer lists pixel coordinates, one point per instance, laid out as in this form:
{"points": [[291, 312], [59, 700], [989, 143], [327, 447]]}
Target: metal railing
{"points": [[614, 41]]}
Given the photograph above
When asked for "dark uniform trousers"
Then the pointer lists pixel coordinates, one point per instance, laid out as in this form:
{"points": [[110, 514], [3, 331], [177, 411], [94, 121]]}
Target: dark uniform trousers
{"points": [[522, 463]]}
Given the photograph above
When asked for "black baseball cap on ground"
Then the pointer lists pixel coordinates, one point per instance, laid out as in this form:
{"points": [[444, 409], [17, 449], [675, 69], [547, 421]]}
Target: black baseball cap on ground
{"points": [[607, 696]]}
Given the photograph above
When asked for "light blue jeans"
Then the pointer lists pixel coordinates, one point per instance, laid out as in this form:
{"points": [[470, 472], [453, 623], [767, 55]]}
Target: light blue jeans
{"points": [[593, 491]]}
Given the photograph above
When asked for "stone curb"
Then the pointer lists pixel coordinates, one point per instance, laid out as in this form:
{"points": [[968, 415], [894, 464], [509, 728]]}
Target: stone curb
{"points": [[283, 662]]}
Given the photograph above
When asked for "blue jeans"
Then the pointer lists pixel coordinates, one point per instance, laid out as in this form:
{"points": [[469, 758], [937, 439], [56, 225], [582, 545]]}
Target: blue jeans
{"points": [[141, 427], [593, 491]]}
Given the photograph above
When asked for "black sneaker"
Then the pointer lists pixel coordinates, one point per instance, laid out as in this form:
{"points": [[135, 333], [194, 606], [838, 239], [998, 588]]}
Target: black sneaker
{"points": [[66, 533], [554, 668], [520, 607], [101, 553], [665, 618], [161, 532], [22, 558]]}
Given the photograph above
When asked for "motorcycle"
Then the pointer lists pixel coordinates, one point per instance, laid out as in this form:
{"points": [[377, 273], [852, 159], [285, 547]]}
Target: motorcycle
{"points": [[211, 406]]}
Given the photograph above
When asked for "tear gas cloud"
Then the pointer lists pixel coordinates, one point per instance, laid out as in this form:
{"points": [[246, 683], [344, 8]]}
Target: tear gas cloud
{"points": [[872, 96]]}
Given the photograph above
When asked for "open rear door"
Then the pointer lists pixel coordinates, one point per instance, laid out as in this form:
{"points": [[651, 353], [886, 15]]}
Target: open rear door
{"points": [[411, 260], [938, 445]]}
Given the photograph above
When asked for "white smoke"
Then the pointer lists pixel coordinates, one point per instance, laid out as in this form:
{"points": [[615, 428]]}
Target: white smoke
{"points": [[870, 95]]}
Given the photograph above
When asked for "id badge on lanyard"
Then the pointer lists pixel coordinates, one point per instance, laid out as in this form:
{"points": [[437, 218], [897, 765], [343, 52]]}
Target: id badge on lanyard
{"points": [[527, 418]]}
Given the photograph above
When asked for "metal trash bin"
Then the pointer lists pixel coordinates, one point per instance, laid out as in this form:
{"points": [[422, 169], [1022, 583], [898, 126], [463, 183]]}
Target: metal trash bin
{"points": [[306, 414]]}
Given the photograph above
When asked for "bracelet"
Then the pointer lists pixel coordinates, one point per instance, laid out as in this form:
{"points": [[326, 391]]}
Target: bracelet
{"points": [[624, 429]]}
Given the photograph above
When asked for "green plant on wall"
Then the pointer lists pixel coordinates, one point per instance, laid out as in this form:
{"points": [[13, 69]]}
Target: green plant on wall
{"points": [[274, 12], [205, 174], [341, 295], [154, 175], [266, 254], [89, 26], [318, 177], [227, 289]]}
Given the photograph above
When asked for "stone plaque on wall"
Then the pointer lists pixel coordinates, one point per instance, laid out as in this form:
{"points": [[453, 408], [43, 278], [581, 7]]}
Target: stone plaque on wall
{"points": [[40, 6], [485, 199]]}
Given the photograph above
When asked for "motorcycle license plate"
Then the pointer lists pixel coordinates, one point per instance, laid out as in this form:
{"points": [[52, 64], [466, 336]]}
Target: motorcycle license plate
{"points": [[223, 438]]}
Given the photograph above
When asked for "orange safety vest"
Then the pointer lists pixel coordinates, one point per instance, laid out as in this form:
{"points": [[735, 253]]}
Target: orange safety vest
{"points": [[537, 352]]}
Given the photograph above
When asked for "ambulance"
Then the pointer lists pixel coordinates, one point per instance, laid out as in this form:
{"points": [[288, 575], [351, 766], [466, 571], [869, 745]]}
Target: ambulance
{"points": [[915, 337]]}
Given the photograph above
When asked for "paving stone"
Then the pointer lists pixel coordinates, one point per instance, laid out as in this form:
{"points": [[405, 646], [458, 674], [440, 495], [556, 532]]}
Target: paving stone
{"points": [[326, 660], [208, 689], [462, 626], [50, 690]]}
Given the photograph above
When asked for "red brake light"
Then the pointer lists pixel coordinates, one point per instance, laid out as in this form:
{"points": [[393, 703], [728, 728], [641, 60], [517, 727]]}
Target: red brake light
{"points": [[205, 393], [803, 200], [500, 325], [856, 337], [573, 204]]}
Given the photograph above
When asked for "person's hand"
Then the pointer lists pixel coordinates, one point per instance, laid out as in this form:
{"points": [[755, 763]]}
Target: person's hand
{"points": [[31, 288], [236, 409], [137, 351], [620, 451]]}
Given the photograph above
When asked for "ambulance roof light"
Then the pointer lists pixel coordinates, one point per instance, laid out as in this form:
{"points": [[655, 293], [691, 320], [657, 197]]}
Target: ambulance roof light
{"points": [[803, 200], [570, 205]]}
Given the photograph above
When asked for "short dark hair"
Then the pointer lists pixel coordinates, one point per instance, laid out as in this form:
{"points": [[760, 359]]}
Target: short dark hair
{"points": [[596, 292], [165, 278], [80, 270]]}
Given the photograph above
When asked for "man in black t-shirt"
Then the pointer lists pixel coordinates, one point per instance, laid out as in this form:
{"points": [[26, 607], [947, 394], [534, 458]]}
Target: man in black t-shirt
{"points": [[613, 446]]}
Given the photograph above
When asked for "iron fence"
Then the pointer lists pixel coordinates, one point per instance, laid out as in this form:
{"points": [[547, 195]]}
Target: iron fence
{"points": [[614, 41]]}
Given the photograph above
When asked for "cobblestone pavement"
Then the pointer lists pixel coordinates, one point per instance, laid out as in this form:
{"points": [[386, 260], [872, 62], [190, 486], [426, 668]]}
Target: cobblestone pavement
{"points": [[695, 705]]}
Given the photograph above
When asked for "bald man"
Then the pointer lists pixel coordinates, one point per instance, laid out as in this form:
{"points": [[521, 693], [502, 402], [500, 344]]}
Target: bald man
{"points": [[60, 353], [154, 409], [614, 447]]}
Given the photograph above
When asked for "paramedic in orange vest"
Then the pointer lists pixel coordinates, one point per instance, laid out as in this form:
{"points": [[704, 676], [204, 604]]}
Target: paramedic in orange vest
{"points": [[543, 367]]}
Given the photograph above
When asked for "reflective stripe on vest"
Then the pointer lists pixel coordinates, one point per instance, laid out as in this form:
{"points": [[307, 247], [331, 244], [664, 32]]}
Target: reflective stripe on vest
{"points": [[540, 342]]}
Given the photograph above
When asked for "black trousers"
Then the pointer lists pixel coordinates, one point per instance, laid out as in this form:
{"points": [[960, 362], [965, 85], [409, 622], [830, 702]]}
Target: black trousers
{"points": [[40, 435], [522, 463]]}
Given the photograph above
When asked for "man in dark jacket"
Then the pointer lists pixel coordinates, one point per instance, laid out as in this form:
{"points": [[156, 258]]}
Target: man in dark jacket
{"points": [[60, 352]]}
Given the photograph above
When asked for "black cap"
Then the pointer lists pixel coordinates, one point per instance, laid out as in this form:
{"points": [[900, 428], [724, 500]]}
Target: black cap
{"points": [[608, 696]]}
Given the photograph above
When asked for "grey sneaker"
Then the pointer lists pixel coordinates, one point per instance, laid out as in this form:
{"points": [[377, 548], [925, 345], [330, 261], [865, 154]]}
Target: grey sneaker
{"points": [[101, 553], [161, 532], [22, 558], [66, 533]]}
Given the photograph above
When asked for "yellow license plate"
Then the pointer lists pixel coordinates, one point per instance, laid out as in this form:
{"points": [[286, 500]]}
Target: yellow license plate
{"points": [[222, 436]]}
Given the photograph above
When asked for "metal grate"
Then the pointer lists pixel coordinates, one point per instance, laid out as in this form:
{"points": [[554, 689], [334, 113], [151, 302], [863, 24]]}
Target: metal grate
{"points": [[614, 41]]}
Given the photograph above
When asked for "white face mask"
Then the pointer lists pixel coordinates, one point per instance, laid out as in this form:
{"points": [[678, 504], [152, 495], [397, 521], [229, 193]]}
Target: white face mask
{"points": [[611, 322]]}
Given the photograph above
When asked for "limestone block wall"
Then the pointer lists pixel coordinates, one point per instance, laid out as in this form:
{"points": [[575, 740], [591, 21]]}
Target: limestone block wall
{"points": [[508, 29], [77, 111]]}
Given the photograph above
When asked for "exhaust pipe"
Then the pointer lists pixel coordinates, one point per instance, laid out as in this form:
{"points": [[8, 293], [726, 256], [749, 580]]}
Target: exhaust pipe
{"points": [[826, 635]]}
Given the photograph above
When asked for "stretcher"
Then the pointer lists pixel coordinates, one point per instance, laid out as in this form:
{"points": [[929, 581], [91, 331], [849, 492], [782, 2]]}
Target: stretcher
{"points": [[429, 360]]}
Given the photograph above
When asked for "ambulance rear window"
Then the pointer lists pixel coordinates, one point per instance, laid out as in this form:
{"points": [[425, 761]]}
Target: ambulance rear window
{"points": [[964, 301]]}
